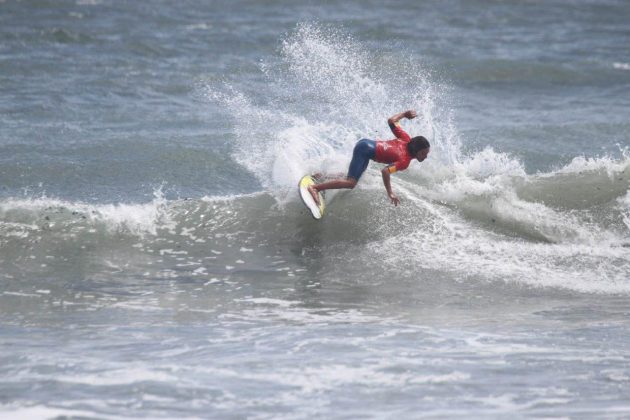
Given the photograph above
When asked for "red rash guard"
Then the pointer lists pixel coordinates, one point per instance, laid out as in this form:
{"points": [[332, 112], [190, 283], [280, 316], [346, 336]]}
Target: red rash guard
{"points": [[394, 151]]}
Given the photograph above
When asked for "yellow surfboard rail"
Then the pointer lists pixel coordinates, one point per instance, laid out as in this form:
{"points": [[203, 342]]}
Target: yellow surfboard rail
{"points": [[316, 210]]}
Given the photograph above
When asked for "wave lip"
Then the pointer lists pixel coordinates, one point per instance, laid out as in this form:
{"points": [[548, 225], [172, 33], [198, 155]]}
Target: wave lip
{"points": [[53, 214]]}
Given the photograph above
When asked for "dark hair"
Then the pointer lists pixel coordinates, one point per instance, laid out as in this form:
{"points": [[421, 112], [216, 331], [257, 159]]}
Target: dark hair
{"points": [[416, 144]]}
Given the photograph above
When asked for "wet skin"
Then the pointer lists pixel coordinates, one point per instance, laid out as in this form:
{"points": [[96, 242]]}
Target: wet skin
{"points": [[351, 182]]}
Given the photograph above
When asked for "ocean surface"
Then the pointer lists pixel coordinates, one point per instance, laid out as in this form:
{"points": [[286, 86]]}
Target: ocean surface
{"points": [[156, 260]]}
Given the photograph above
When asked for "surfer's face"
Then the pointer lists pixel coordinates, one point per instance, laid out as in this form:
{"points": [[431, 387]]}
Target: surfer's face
{"points": [[422, 154]]}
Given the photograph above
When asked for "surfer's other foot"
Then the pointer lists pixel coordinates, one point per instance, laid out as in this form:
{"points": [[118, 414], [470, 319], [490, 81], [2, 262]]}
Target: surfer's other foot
{"points": [[314, 193]]}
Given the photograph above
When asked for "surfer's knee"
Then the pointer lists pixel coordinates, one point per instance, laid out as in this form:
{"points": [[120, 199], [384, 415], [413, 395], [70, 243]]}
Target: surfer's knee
{"points": [[352, 183]]}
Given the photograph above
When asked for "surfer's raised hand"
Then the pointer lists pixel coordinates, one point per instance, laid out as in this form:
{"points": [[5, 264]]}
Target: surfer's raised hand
{"points": [[411, 114], [393, 120]]}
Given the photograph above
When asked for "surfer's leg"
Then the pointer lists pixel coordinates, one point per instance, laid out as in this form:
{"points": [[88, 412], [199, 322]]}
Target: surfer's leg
{"points": [[332, 185], [364, 150]]}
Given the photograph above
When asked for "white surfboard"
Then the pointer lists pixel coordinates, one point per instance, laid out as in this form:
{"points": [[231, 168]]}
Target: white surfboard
{"points": [[316, 210]]}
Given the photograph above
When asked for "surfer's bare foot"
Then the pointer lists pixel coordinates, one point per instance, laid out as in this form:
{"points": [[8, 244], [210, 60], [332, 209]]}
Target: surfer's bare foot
{"points": [[313, 191], [317, 176]]}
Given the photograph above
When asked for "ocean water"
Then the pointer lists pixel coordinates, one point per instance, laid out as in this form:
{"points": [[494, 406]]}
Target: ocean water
{"points": [[156, 260]]}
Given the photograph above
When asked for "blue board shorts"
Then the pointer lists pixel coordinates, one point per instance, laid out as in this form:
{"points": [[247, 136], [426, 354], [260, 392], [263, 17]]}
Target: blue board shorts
{"points": [[364, 150]]}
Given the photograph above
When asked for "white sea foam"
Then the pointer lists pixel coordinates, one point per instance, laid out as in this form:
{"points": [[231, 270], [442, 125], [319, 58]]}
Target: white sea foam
{"points": [[479, 254], [110, 377], [349, 97], [554, 245], [581, 164], [624, 204], [269, 301], [133, 218], [41, 412], [622, 66], [14, 411]]}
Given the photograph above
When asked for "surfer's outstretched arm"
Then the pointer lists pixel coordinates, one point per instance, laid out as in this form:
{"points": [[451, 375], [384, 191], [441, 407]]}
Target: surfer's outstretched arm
{"points": [[393, 120], [388, 186]]}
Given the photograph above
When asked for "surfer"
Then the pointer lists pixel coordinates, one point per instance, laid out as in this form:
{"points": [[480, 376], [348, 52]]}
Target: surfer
{"points": [[397, 153]]}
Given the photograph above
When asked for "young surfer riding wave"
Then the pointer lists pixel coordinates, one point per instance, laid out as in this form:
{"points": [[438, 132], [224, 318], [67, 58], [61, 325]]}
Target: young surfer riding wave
{"points": [[397, 153]]}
